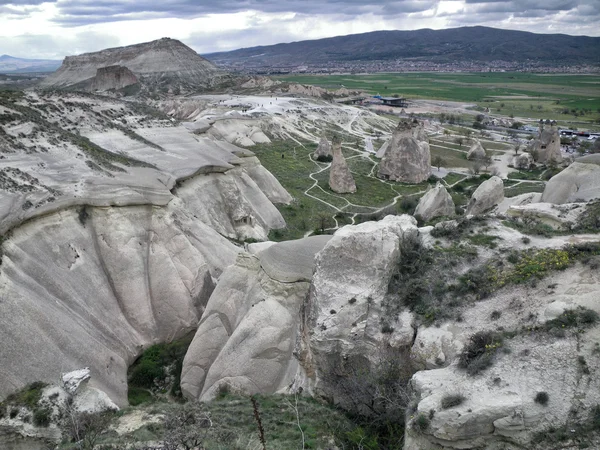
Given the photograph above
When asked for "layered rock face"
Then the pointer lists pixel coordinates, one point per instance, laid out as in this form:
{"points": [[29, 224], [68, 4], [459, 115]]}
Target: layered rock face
{"points": [[476, 151], [490, 193], [437, 202], [578, 182], [546, 147], [323, 149], [251, 324], [161, 62], [113, 77], [95, 287], [340, 177], [406, 159]]}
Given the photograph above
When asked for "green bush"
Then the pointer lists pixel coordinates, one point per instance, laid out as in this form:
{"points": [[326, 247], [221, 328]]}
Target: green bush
{"points": [[478, 354], [136, 396], [42, 417], [29, 396], [421, 423]]}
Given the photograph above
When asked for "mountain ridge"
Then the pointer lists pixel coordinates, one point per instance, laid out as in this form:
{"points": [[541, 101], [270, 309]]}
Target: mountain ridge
{"points": [[477, 44]]}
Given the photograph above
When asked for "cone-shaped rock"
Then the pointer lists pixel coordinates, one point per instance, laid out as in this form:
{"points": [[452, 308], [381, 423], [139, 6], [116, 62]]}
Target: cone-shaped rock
{"points": [[546, 147], [340, 178], [489, 194], [406, 159], [323, 149], [476, 151], [435, 203], [522, 161]]}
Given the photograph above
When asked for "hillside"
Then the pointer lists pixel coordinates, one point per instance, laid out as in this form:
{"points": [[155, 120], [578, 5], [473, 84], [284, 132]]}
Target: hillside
{"points": [[10, 64], [473, 44], [162, 64]]}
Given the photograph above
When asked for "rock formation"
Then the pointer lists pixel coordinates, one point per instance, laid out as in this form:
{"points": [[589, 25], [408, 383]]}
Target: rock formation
{"points": [[546, 148], [489, 194], [340, 177], [476, 151], [578, 182], [121, 247], [406, 159], [381, 152], [250, 327], [112, 77], [164, 62], [522, 161], [436, 202], [323, 149], [344, 311]]}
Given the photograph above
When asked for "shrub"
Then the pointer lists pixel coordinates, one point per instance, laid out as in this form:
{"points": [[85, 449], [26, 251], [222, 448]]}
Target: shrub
{"points": [[324, 158], [29, 396], [452, 400], [42, 417], [495, 315], [421, 423], [136, 396], [478, 354], [541, 398]]}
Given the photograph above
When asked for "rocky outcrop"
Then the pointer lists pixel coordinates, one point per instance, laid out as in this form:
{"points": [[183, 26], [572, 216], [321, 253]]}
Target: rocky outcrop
{"points": [[523, 161], [498, 408], [546, 148], [578, 182], [153, 63], [340, 177], [489, 194], [112, 77], [343, 315], [95, 287], [436, 202], [476, 151], [559, 217], [323, 149], [406, 159], [250, 328], [381, 152]]}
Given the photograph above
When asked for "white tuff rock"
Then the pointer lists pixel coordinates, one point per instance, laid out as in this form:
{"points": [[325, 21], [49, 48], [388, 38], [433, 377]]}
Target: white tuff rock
{"points": [[489, 194]]}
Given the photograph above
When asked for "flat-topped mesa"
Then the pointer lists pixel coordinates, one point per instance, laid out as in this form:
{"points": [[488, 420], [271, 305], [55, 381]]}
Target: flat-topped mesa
{"points": [[113, 77], [546, 148], [340, 178], [407, 158], [162, 63]]}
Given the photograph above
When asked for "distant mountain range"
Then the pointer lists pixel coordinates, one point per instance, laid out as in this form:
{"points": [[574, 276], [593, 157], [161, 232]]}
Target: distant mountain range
{"points": [[10, 64], [450, 46]]}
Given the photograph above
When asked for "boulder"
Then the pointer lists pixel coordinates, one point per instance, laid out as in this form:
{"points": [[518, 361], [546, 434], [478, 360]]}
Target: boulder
{"points": [[489, 194], [436, 202], [248, 333], [546, 148], [406, 159], [323, 149], [476, 151], [340, 177], [522, 161], [578, 182]]}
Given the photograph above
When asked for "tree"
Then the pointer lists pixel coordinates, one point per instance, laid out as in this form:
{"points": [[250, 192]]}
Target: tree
{"points": [[486, 161], [438, 161], [460, 141], [517, 148]]}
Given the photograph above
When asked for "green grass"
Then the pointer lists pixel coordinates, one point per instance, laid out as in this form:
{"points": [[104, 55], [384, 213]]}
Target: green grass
{"points": [[306, 213], [525, 95], [523, 188]]}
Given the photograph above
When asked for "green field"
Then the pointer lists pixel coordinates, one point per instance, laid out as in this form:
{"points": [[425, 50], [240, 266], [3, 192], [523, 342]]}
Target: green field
{"points": [[568, 98]]}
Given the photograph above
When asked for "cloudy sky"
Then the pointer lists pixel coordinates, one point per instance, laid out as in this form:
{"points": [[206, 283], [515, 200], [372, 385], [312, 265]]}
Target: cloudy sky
{"points": [[54, 29]]}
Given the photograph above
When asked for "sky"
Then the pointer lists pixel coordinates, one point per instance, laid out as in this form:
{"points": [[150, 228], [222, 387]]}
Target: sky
{"points": [[55, 29]]}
